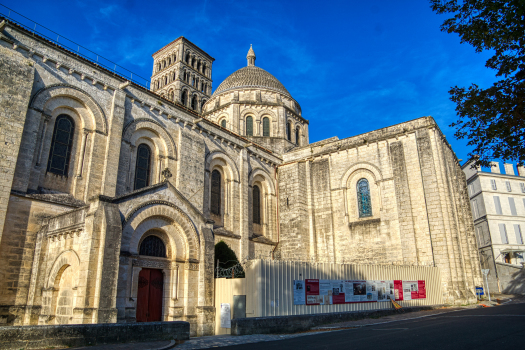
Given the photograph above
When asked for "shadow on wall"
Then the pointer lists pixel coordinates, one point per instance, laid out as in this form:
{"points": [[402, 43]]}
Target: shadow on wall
{"points": [[512, 279]]}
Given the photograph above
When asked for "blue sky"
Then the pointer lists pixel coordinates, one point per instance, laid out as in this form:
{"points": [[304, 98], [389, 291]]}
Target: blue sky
{"points": [[353, 66]]}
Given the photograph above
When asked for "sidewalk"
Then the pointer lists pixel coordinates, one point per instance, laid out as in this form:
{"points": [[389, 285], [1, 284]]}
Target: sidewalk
{"points": [[227, 340]]}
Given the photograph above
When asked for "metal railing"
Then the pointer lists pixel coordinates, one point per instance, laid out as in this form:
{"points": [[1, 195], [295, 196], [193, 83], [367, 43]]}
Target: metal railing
{"points": [[65, 43]]}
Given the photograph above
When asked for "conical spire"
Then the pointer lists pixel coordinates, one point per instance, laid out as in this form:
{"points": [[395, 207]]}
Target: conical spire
{"points": [[251, 57]]}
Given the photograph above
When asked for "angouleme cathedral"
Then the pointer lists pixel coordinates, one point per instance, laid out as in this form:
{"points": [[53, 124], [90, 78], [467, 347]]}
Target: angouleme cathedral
{"points": [[107, 186]]}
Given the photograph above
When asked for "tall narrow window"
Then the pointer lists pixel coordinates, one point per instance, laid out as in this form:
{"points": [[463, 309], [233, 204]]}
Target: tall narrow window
{"points": [[522, 185], [266, 126], [184, 98], [249, 126], [288, 132], [153, 246], [194, 103], [204, 68], [61, 145], [503, 233], [215, 205], [363, 198], [509, 188], [517, 232], [256, 205], [512, 206], [223, 123], [188, 57], [493, 183], [497, 205], [297, 136], [142, 167]]}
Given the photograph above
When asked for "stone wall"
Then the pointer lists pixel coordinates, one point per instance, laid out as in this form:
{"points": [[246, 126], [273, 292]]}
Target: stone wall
{"points": [[45, 337], [16, 80]]}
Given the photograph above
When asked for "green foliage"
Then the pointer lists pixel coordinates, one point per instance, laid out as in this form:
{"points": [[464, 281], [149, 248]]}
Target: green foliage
{"points": [[492, 119], [226, 256]]}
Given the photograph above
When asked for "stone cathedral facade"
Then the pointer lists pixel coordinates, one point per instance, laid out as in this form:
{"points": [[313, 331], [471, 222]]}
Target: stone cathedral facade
{"points": [[113, 196]]}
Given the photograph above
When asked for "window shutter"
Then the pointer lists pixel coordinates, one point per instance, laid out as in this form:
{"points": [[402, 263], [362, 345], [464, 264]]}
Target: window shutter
{"points": [[493, 183], [475, 209], [509, 189], [480, 236], [497, 204], [503, 233], [512, 207], [517, 231]]}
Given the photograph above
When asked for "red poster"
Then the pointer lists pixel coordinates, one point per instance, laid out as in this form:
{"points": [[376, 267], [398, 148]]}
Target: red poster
{"points": [[312, 292], [398, 289], [422, 290], [338, 298]]}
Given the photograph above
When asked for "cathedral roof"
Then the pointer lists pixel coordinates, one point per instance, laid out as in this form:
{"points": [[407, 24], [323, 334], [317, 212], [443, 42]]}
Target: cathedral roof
{"points": [[250, 77]]}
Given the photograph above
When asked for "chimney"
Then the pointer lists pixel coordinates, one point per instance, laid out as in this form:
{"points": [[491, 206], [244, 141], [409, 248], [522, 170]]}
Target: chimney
{"points": [[509, 169], [494, 167]]}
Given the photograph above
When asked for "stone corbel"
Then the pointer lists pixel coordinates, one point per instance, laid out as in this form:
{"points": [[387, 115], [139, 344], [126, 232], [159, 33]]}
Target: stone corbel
{"points": [[44, 59], [58, 65], [71, 71]]}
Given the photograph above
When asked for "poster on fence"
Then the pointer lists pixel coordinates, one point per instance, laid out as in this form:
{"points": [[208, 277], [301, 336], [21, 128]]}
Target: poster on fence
{"points": [[298, 292], [331, 292]]}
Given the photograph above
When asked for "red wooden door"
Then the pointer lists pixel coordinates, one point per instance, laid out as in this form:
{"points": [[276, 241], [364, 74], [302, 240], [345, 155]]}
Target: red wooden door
{"points": [[149, 298]]}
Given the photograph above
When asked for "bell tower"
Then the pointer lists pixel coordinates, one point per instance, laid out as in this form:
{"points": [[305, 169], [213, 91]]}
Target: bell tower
{"points": [[182, 74]]}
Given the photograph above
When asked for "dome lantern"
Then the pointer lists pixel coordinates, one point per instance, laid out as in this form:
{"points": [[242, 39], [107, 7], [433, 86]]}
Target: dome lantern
{"points": [[251, 57]]}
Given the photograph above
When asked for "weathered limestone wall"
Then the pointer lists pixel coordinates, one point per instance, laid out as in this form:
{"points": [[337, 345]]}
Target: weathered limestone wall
{"points": [[16, 80], [400, 163], [17, 251]]}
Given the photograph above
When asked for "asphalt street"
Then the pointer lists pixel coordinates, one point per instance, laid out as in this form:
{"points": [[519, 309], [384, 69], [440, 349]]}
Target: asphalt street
{"points": [[501, 327]]}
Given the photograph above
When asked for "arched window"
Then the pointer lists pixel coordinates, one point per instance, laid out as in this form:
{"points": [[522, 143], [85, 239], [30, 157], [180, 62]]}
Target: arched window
{"points": [[184, 97], [188, 57], [193, 81], [169, 61], [256, 205], [288, 132], [215, 200], [204, 88], [266, 126], [165, 80], [194, 102], [170, 95], [193, 62], [202, 105], [204, 68], [142, 167], [61, 145], [249, 126], [174, 76], [153, 246], [174, 58], [363, 198], [199, 65], [297, 136], [223, 123]]}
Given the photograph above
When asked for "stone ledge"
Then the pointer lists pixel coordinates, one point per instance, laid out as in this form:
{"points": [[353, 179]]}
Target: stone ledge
{"points": [[301, 323], [35, 337]]}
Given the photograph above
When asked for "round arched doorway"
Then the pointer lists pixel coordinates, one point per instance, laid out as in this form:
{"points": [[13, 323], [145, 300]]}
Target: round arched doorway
{"points": [[151, 282]]}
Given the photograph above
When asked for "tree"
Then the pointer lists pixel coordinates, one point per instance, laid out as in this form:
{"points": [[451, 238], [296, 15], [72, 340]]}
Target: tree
{"points": [[226, 257], [491, 119]]}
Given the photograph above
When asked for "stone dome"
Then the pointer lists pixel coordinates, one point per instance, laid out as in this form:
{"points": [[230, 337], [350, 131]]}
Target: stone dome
{"points": [[251, 77]]}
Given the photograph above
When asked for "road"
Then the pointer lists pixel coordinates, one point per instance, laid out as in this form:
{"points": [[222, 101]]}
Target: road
{"points": [[501, 327]]}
